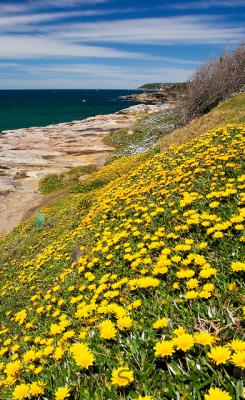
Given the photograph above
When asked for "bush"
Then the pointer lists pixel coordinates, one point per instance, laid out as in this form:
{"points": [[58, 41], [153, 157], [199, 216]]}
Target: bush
{"points": [[214, 80]]}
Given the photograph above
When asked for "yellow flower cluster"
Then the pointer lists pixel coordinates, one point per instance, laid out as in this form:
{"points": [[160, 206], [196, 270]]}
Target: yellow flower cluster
{"points": [[154, 264]]}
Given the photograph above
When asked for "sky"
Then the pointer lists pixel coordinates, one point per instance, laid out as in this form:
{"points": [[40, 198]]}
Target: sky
{"points": [[112, 44]]}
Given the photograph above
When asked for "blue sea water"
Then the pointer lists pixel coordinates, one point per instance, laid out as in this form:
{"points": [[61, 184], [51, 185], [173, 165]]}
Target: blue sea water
{"points": [[27, 108]]}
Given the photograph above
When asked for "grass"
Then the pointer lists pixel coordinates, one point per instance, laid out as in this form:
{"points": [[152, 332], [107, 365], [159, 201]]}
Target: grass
{"points": [[54, 182], [145, 134], [114, 169], [161, 239], [230, 111], [51, 183]]}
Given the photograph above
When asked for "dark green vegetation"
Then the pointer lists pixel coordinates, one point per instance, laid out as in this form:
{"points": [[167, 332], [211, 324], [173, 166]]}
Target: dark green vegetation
{"points": [[166, 87]]}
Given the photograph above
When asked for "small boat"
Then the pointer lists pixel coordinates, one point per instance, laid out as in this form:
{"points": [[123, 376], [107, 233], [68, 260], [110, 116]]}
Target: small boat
{"points": [[84, 101]]}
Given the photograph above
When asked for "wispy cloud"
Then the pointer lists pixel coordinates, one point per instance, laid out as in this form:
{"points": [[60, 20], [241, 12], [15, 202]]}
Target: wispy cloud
{"points": [[29, 6], [204, 4], [94, 76], [15, 21], [157, 31], [19, 18], [66, 3], [24, 46], [63, 38]]}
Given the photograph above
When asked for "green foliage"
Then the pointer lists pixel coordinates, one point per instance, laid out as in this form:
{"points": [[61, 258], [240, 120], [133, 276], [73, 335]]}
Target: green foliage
{"points": [[53, 182], [76, 172], [166, 87], [145, 134], [84, 187], [50, 183]]}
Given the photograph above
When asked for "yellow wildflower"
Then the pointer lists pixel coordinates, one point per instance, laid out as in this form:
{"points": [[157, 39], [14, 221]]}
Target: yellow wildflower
{"points": [[237, 345], [37, 388], [124, 323], [164, 348], [160, 323], [192, 283], [191, 294], [204, 338], [217, 394], [12, 368], [184, 342], [107, 330], [82, 355], [62, 393], [219, 354], [238, 359], [238, 266], [122, 376], [21, 391], [179, 331], [232, 286]]}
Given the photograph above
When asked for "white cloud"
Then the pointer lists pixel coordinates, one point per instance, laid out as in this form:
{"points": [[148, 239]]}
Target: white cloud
{"points": [[27, 22], [157, 31], [18, 18], [89, 39], [56, 38], [14, 21], [91, 76], [25, 46], [67, 3], [46, 4], [204, 4], [28, 47]]}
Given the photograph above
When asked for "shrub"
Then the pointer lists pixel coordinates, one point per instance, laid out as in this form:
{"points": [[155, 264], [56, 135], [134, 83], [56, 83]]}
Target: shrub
{"points": [[213, 81]]}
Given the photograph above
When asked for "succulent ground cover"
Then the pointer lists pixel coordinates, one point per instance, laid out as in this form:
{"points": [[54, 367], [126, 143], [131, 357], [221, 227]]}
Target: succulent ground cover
{"points": [[133, 290]]}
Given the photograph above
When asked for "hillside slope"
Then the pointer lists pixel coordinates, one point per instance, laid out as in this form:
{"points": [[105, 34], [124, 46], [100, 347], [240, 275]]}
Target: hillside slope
{"points": [[132, 288], [231, 111]]}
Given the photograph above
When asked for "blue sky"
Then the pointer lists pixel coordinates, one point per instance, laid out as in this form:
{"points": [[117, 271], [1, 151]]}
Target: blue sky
{"points": [[112, 43]]}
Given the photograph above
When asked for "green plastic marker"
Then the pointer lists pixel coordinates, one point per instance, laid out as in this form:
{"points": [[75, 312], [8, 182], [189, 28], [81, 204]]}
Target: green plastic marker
{"points": [[40, 219]]}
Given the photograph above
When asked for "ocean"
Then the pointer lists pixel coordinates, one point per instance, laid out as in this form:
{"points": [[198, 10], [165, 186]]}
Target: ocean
{"points": [[27, 108]]}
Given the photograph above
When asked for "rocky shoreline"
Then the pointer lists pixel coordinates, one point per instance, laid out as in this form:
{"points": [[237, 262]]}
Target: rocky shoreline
{"points": [[28, 154]]}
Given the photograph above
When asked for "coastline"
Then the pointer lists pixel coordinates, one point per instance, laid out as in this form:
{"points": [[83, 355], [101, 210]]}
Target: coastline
{"points": [[29, 154]]}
